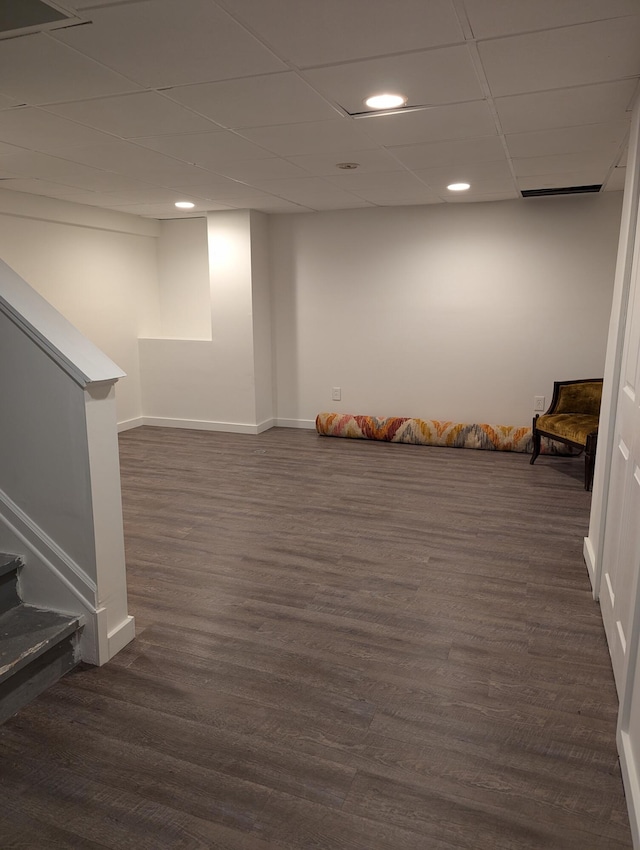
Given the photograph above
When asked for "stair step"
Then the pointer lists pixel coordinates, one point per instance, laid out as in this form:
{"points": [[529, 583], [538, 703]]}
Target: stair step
{"points": [[37, 648], [9, 565]]}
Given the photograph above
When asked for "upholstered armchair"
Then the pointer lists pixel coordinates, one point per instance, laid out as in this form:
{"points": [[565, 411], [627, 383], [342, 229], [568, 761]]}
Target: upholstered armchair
{"points": [[572, 419]]}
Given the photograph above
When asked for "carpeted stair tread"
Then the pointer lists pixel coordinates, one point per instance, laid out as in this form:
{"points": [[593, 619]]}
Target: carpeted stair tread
{"points": [[27, 633], [8, 563]]}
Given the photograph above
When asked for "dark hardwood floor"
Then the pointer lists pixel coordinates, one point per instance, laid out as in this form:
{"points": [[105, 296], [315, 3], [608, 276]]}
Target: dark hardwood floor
{"points": [[342, 645]]}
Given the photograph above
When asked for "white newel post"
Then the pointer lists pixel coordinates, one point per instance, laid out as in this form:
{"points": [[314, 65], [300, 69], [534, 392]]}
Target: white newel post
{"points": [[115, 627]]}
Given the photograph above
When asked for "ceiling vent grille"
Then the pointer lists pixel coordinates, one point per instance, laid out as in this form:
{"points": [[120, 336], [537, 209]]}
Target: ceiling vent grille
{"points": [[21, 17], [561, 190]]}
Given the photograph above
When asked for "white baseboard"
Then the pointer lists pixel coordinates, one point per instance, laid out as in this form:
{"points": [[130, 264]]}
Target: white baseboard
{"points": [[267, 425], [296, 423], [119, 637], [589, 556], [206, 425], [631, 785], [130, 423]]}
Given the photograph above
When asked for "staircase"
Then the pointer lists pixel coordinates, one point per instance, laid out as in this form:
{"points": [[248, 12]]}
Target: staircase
{"points": [[37, 647]]}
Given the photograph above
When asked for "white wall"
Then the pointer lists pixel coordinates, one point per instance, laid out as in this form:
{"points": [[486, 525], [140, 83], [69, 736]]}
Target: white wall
{"points": [[225, 383], [262, 319], [183, 278], [98, 268], [460, 312]]}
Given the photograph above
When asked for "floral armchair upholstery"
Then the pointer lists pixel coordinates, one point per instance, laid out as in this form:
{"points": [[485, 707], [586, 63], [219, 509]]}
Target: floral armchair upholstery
{"points": [[572, 419]]}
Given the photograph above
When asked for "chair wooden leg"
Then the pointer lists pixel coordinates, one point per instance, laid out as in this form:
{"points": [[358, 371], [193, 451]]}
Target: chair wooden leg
{"points": [[589, 461], [536, 441]]}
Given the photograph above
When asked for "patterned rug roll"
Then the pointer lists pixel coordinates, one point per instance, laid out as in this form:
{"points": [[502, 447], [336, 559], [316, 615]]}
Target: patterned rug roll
{"points": [[431, 432]]}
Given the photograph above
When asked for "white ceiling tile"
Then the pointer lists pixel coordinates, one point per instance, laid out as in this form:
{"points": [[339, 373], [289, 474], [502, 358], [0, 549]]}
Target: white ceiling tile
{"points": [[206, 150], [437, 123], [350, 202], [178, 173], [133, 160], [416, 194], [318, 33], [591, 163], [491, 176], [256, 101], [150, 195], [8, 102], [91, 4], [325, 164], [482, 182], [445, 75], [258, 127], [162, 210], [615, 183], [265, 202], [594, 137], [304, 190], [588, 53], [30, 164], [157, 43], [386, 187], [36, 69], [5, 148], [241, 199], [214, 186], [41, 187], [409, 202], [490, 18], [316, 137], [102, 181], [92, 199], [273, 168], [39, 131], [128, 116], [565, 107], [455, 152], [471, 198], [560, 179]]}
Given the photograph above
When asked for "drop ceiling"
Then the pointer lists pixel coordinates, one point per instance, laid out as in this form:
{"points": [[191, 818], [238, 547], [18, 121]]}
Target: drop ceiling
{"points": [[133, 105]]}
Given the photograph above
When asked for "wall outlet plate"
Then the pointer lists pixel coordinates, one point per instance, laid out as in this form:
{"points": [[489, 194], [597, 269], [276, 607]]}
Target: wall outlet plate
{"points": [[336, 394], [538, 403]]}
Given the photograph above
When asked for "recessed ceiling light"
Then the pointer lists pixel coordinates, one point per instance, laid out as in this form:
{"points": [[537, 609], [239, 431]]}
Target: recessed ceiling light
{"points": [[458, 187], [184, 205], [385, 101]]}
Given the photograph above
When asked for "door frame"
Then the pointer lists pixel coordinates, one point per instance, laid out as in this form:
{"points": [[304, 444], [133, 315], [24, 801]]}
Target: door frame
{"points": [[594, 542]]}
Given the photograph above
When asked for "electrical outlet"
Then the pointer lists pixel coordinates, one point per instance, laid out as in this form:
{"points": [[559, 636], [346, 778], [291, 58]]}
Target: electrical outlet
{"points": [[336, 394], [538, 402]]}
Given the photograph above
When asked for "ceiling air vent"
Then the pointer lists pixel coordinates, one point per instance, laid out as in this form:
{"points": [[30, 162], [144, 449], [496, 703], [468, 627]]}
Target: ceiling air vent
{"points": [[21, 17], [561, 190]]}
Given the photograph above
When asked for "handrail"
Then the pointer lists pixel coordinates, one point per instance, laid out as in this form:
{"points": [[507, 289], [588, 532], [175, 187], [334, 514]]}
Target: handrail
{"points": [[83, 361]]}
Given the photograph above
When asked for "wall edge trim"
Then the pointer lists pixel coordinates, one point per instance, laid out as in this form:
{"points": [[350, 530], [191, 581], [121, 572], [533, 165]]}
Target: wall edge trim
{"points": [[631, 784], [203, 425], [309, 424]]}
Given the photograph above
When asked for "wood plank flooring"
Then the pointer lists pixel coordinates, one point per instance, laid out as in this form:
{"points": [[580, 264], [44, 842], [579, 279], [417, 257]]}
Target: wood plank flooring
{"points": [[342, 645]]}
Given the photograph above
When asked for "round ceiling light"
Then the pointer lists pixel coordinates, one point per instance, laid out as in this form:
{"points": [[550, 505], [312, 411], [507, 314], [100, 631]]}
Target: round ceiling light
{"points": [[184, 205], [386, 101], [458, 187]]}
